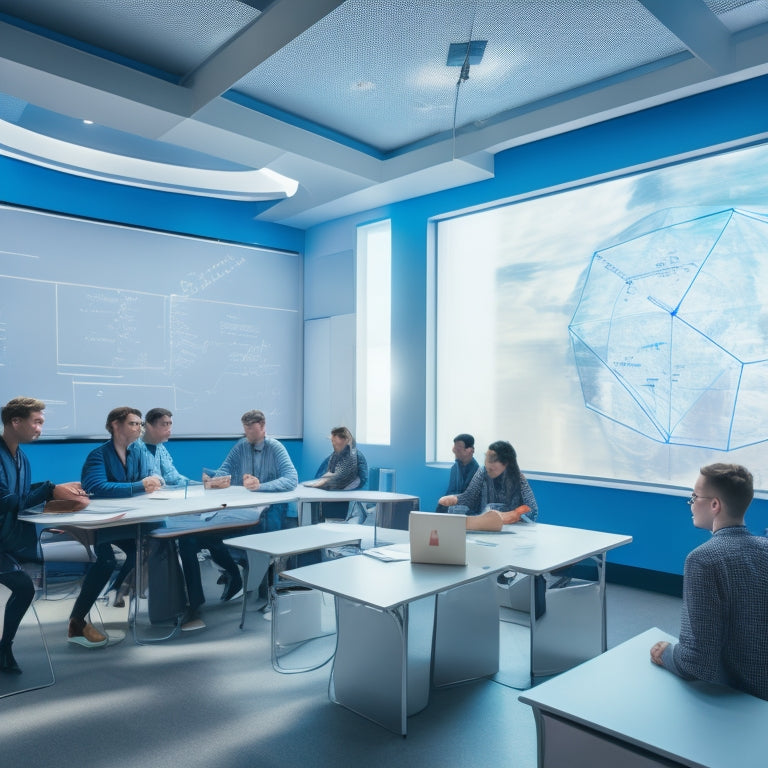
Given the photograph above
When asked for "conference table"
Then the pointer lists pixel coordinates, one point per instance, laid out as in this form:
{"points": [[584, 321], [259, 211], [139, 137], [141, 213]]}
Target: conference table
{"points": [[211, 509], [404, 627]]}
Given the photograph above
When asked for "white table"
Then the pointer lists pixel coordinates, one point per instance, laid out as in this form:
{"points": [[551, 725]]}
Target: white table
{"points": [[385, 613], [403, 625], [156, 507], [264, 549], [577, 612], [166, 502], [620, 709], [384, 500]]}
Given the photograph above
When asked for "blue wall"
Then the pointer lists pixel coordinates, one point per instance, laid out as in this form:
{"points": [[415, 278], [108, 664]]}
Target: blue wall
{"points": [[660, 524]]}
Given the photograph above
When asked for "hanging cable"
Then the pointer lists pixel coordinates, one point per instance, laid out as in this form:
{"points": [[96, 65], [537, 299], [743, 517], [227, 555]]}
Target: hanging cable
{"points": [[463, 77]]}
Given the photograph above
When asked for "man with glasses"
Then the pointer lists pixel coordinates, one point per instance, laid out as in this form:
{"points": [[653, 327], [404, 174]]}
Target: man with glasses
{"points": [[724, 623], [116, 469]]}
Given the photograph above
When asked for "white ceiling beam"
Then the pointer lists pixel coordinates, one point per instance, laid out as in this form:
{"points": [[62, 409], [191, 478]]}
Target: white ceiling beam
{"points": [[58, 77], [702, 33]]}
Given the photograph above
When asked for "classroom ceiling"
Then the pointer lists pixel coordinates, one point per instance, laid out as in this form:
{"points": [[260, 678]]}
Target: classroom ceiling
{"points": [[357, 101]]}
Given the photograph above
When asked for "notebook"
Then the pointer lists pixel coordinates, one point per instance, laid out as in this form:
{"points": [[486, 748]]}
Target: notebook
{"points": [[438, 537]]}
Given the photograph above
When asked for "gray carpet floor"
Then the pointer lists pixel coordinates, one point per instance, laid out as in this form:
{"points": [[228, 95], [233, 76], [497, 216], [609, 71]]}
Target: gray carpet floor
{"points": [[211, 699]]}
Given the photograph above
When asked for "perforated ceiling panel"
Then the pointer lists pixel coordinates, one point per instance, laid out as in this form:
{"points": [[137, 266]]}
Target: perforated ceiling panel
{"points": [[376, 72], [737, 15]]}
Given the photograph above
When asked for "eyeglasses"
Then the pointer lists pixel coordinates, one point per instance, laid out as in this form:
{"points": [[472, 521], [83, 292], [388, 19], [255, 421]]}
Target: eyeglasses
{"points": [[695, 496]]}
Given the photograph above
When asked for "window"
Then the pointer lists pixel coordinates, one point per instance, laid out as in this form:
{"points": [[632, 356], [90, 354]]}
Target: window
{"points": [[374, 302], [615, 331]]}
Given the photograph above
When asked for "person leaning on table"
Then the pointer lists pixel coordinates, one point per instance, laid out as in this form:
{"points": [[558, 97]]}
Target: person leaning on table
{"points": [[117, 469], [23, 419], [724, 621], [258, 463], [499, 483]]}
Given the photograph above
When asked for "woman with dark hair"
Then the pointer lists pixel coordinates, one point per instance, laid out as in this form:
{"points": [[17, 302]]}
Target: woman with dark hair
{"points": [[499, 487], [339, 470]]}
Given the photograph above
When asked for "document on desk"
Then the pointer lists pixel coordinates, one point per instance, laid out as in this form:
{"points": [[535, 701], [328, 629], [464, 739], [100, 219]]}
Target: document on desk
{"points": [[168, 493], [391, 553]]}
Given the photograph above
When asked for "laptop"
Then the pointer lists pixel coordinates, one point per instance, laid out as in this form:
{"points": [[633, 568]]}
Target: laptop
{"points": [[438, 537]]}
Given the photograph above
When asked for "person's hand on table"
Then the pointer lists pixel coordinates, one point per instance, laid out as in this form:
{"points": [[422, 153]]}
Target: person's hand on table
{"points": [[448, 501], [152, 483], [250, 482], [514, 515], [67, 497], [657, 650], [221, 481]]}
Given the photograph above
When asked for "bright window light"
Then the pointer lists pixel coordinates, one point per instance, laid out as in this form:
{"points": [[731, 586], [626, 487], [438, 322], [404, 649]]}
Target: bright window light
{"points": [[374, 301]]}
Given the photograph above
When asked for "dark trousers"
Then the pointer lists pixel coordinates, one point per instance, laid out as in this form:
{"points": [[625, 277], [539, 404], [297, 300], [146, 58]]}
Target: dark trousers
{"points": [[100, 571], [22, 594]]}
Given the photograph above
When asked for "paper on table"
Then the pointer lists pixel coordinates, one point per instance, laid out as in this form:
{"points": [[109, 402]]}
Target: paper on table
{"points": [[390, 553]]}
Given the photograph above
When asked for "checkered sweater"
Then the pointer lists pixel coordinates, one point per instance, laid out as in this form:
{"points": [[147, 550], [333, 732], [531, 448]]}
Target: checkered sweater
{"points": [[724, 623]]}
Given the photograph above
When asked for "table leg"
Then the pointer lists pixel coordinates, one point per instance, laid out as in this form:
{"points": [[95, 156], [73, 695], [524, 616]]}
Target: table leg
{"points": [[572, 629], [381, 667], [466, 643]]}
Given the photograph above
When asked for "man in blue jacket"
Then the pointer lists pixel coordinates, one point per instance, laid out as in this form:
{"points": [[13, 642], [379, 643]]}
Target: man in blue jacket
{"points": [[23, 419], [117, 469]]}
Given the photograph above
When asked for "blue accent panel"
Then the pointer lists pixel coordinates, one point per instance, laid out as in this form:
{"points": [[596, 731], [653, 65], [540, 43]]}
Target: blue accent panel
{"points": [[37, 187], [307, 125], [62, 462]]}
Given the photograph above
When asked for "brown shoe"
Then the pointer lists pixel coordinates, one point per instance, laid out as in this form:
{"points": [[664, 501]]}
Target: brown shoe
{"points": [[82, 633]]}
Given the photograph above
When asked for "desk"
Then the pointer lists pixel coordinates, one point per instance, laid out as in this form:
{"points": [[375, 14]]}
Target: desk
{"points": [[385, 614], [384, 501], [418, 621], [264, 549], [620, 709], [156, 507], [577, 613]]}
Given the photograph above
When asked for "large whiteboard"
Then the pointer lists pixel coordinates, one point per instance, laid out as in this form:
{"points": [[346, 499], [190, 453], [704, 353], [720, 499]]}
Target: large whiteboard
{"points": [[95, 315]]}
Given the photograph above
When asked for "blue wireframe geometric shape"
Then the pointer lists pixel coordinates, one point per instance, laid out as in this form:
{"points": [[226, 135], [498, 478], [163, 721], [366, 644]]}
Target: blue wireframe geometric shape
{"points": [[670, 335]]}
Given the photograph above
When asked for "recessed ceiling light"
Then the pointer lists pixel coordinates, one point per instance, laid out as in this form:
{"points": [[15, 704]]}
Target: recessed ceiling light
{"points": [[88, 122]]}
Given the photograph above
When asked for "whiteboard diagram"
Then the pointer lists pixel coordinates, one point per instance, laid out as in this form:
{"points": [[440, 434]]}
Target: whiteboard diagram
{"points": [[94, 316]]}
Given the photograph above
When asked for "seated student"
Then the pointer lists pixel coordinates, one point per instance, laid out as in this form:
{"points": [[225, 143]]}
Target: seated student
{"points": [[23, 419], [723, 628], [158, 424], [157, 430], [116, 469], [498, 494], [464, 468], [339, 469], [259, 463], [345, 469]]}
